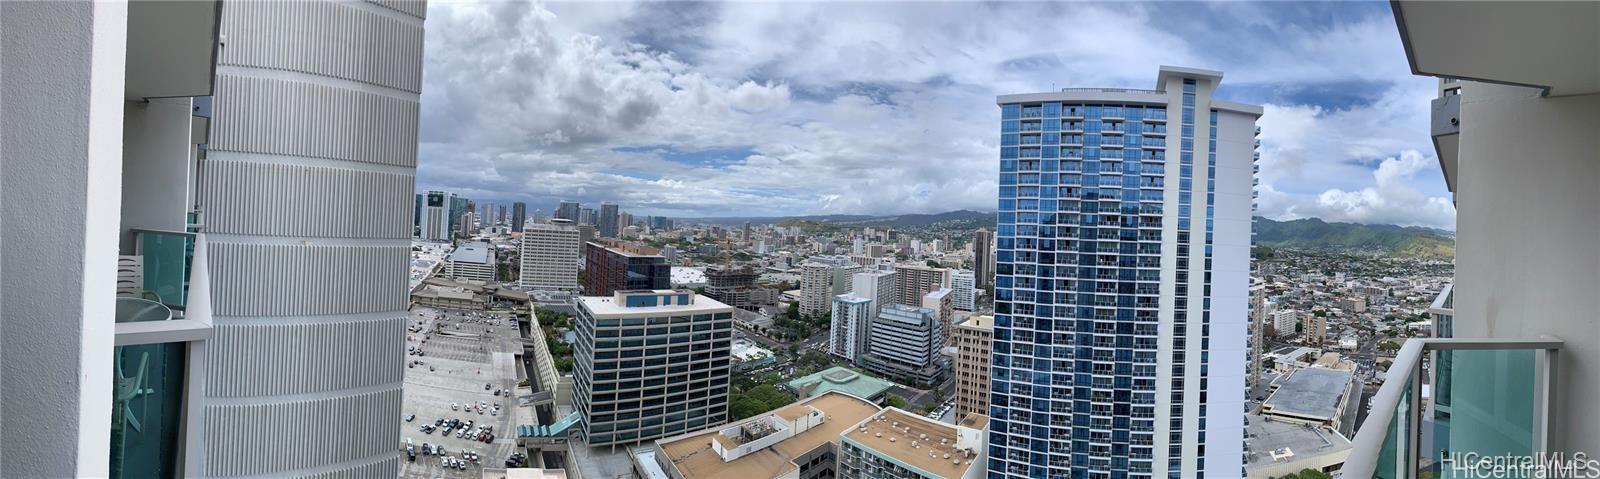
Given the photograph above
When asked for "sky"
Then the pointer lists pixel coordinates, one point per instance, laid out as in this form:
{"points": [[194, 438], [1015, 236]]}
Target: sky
{"points": [[778, 109]]}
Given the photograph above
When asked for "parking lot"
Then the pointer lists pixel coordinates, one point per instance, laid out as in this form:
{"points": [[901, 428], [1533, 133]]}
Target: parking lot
{"points": [[464, 359]]}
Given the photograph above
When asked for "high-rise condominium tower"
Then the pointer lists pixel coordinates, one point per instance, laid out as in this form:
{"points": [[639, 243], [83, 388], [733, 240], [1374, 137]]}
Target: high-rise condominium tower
{"points": [[983, 258], [608, 220], [315, 104], [519, 216], [567, 210], [1121, 278]]}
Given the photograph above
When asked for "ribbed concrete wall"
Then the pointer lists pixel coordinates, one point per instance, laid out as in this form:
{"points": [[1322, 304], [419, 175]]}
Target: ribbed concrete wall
{"points": [[308, 197]]}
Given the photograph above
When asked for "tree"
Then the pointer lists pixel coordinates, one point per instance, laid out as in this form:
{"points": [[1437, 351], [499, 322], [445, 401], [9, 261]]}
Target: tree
{"points": [[896, 401], [1388, 345], [934, 264], [794, 310]]}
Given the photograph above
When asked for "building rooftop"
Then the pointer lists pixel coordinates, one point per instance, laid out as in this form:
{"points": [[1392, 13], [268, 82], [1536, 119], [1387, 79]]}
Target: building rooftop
{"points": [[1309, 392], [694, 457], [983, 322], [607, 305], [839, 379], [1271, 442], [473, 252], [931, 446]]}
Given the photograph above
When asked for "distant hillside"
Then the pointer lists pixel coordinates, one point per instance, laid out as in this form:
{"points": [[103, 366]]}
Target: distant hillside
{"points": [[1315, 234]]}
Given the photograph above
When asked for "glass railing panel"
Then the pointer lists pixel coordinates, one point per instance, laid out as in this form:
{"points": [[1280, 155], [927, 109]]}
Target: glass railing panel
{"points": [[1491, 410], [147, 410], [168, 258], [1392, 462]]}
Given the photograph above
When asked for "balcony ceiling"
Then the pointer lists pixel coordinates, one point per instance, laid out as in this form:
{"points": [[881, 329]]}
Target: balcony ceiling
{"points": [[1549, 45], [171, 48]]}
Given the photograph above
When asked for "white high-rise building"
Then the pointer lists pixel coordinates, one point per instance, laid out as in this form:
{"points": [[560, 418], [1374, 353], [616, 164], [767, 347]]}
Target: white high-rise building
{"points": [[436, 216], [877, 289], [965, 288], [549, 257], [847, 332], [822, 278], [1166, 174]]}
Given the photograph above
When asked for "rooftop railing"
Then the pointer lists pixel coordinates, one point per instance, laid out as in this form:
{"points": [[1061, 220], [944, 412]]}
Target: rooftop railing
{"points": [[1489, 398]]}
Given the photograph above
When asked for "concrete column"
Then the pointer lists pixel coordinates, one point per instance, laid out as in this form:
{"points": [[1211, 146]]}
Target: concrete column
{"points": [[62, 70]]}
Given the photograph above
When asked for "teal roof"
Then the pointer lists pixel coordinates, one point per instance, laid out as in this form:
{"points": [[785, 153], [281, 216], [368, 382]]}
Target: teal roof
{"points": [[554, 430], [840, 379]]}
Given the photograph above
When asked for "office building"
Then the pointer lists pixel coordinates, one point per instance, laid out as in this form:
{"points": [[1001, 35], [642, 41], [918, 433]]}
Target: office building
{"points": [[519, 216], [736, 286], [568, 210], [101, 157], [799, 441], [608, 220], [912, 281], [611, 266], [965, 288], [847, 333], [1122, 243], [895, 444], [549, 257], [586, 233], [1513, 132], [472, 260], [822, 278], [650, 364], [971, 339], [983, 258], [460, 209], [436, 214], [904, 344]]}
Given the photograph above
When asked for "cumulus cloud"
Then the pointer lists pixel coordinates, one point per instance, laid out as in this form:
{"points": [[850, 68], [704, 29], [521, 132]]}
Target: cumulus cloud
{"points": [[691, 109]]}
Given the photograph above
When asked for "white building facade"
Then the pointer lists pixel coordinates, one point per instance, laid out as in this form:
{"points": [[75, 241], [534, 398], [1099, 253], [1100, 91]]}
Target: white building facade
{"points": [[964, 287], [549, 257]]}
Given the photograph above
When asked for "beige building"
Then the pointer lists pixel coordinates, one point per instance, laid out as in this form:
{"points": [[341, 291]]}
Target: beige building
{"points": [[895, 444], [913, 281], [798, 441], [972, 339]]}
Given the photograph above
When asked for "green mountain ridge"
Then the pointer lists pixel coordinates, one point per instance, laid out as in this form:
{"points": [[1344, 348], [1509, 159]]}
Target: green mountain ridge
{"points": [[1317, 235]]}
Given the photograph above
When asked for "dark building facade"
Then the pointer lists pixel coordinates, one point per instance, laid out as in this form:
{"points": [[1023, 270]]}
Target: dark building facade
{"points": [[519, 215], [614, 266]]}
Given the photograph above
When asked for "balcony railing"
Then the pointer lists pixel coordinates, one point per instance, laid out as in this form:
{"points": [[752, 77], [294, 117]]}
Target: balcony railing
{"points": [[1490, 398]]}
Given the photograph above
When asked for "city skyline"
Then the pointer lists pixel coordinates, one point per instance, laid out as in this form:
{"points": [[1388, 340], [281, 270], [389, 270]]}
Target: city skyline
{"points": [[1345, 126]]}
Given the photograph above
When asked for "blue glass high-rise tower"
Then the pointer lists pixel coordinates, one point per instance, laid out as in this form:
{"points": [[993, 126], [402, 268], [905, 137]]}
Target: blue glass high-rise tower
{"points": [[1122, 259]]}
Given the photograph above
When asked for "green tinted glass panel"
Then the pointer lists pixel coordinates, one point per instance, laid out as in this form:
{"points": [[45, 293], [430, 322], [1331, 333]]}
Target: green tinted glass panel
{"points": [[167, 258], [147, 410]]}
